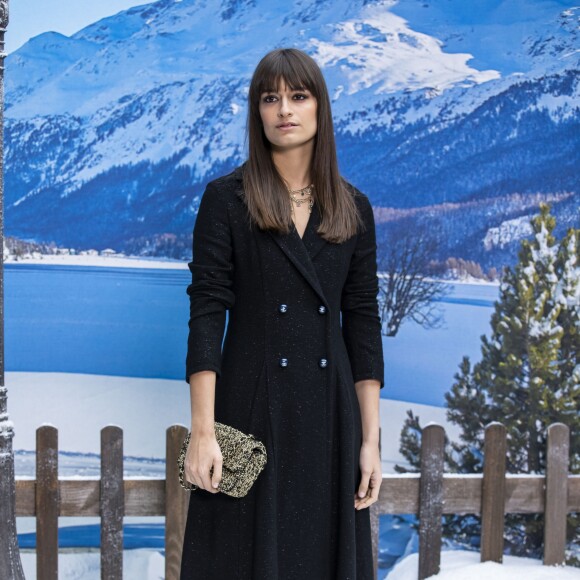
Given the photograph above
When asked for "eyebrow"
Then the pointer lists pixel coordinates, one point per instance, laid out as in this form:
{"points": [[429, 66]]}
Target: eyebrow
{"points": [[304, 89]]}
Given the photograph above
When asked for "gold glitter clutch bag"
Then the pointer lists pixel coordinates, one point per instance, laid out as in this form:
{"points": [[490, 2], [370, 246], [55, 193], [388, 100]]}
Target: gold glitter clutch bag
{"points": [[244, 457]]}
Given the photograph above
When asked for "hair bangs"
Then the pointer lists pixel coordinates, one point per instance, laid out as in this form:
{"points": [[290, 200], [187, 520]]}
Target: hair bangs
{"points": [[288, 70]]}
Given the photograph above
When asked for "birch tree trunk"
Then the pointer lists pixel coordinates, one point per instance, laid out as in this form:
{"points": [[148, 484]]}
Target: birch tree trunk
{"points": [[10, 564]]}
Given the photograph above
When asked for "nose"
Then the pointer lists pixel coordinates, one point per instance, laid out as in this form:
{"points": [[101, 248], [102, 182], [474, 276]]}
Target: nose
{"points": [[285, 108]]}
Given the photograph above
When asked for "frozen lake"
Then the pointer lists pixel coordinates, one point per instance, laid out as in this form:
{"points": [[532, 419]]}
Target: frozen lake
{"points": [[132, 322]]}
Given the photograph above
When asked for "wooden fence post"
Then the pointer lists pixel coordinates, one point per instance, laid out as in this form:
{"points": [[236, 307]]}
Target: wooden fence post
{"points": [[493, 493], [47, 502], [112, 503], [556, 509], [176, 503], [431, 500]]}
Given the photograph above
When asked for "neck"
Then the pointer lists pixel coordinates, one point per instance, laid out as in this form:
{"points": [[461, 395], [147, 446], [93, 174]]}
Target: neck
{"points": [[293, 166]]}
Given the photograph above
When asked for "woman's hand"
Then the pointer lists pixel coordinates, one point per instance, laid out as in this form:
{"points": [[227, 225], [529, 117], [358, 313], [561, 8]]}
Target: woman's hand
{"points": [[203, 452], [371, 478]]}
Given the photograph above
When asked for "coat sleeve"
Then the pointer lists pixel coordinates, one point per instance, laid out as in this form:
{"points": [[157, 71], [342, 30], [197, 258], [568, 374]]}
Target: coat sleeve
{"points": [[211, 289], [361, 323]]}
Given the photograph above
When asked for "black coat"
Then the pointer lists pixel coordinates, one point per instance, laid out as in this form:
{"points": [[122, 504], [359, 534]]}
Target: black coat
{"points": [[286, 375]]}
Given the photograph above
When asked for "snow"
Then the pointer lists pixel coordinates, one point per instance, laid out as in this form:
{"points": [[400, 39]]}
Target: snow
{"points": [[96, 260], [559, 107], [144, 408], [546, 252], [510, 36], [149, 564], [567, 291], [6, 425], [380, 50], [462, 565], [507, 232], [145, 564]]}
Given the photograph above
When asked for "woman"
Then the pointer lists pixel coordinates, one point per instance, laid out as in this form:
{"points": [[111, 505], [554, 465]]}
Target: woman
{"points": [[288, 247]]}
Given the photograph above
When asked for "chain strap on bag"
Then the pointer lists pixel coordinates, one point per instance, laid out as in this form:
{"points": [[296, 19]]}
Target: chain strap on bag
{"points": [[244, 457]]}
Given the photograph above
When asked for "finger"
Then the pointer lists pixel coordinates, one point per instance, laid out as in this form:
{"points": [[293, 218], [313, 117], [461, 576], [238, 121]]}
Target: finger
{"points": [[189, 474], [371, 497], [367, 495], [189, 471], [206, 476], [194, 479], [363, 503], [364, 485], [217, 474]]}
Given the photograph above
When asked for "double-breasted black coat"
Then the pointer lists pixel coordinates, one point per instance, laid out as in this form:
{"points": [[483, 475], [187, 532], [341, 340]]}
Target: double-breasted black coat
{"points": [[303, 327]]}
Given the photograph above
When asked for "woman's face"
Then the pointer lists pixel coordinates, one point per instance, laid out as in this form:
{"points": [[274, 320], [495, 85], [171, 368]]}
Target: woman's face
{"points": [[287, 106]]}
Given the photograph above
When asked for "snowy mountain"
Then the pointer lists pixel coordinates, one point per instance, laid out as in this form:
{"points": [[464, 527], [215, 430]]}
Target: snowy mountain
{"points": [[114, 131], [510, 36]]}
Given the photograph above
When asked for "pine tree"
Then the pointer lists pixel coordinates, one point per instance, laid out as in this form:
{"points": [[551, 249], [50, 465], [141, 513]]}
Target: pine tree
{"points": [[566, 394], [529, 373], [410, 447], [467, 408]]}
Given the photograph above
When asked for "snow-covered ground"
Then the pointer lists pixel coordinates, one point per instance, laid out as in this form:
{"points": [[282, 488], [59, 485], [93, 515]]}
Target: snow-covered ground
{"points": [[97, 260], [140, 564], [147, 564], [463, 565], [80, 405]]}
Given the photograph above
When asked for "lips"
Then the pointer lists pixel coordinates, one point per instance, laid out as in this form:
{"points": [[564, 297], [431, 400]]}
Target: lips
{"points": [[287, 125]]}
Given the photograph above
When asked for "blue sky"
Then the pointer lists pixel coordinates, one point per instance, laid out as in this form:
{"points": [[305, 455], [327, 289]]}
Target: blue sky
{"points": [[31, 17]]}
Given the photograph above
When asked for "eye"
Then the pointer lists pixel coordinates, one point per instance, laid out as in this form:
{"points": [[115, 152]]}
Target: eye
{"points": [[272, 98]]}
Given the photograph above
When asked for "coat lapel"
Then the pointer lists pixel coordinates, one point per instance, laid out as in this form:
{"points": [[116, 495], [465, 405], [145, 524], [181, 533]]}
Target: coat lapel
{"points": [[299, 251], [311, 240]]}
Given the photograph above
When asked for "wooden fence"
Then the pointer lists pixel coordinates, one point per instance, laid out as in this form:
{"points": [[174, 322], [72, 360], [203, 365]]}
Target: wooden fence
{"points": [[492, 494], [429, 494]]}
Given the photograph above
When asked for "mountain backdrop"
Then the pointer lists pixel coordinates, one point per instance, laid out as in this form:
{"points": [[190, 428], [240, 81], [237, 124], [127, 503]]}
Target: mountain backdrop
{"points": [[453, 116]]}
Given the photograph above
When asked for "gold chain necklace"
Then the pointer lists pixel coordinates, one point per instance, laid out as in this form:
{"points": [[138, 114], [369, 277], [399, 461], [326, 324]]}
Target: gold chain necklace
{"points": [[305, 191]]}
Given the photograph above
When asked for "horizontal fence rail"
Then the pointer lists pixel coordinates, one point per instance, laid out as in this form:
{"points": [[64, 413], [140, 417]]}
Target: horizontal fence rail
{"points": [[429, 494], [109, 496]]}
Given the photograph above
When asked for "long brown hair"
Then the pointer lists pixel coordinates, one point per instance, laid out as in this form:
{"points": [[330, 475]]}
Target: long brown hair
{"points": [[266, 195]]}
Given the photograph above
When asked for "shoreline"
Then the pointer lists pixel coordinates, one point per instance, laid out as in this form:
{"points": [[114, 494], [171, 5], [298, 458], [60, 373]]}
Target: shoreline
{"points": [[100, 261], [160, 263]]}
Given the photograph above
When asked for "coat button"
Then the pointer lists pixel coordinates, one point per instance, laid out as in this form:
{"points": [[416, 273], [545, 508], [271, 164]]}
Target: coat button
{"points": [[323, 362], [283, 307], [321, 309], [283, 362]]}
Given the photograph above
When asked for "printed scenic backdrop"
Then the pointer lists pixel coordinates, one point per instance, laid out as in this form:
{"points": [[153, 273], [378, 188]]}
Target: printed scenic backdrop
{"points": [[456, 118]]}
